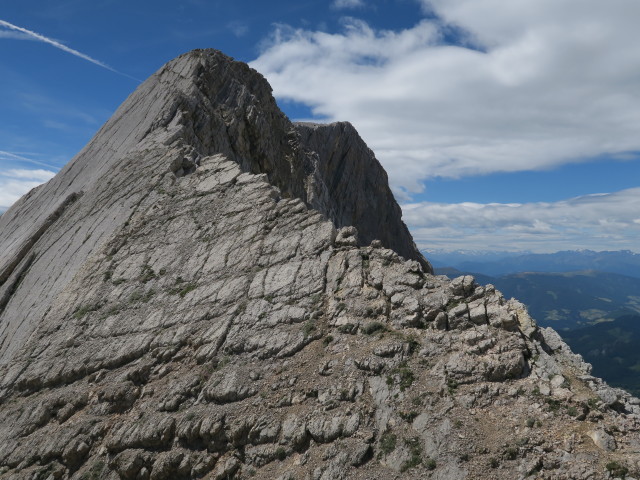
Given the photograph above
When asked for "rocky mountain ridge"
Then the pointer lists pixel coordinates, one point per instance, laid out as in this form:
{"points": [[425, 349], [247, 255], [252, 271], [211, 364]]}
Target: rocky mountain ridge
{"points": [[197, 105], [209, 291]]}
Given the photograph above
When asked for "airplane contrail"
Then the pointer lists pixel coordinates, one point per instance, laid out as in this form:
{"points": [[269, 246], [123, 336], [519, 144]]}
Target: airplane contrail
{"points": [[8, 155], [62, 47]]}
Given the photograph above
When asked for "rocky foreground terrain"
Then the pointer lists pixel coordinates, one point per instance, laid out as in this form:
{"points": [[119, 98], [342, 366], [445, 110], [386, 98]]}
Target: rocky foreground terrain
{"points": [[210, 291]]}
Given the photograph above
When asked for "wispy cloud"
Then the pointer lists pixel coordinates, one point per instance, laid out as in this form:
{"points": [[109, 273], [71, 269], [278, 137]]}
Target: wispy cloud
{"points": [[12, 156], [64, 48], [238, 28], [597, 222], [344, 4]]}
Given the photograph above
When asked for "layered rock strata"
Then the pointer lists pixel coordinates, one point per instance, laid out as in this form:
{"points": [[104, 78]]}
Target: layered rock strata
{"points": [[200, 104], [179, 303]]}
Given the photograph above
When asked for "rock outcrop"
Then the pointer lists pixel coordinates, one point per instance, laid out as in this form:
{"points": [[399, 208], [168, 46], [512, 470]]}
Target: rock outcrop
{"points": [[209, 291], [200, 104]]}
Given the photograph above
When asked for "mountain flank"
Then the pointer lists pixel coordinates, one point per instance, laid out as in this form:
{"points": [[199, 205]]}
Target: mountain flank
{"points": [[210, 291], [612, 349]]}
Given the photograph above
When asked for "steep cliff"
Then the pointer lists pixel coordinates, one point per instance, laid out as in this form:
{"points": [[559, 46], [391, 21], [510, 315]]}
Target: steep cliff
{"points": [[209, 291]]}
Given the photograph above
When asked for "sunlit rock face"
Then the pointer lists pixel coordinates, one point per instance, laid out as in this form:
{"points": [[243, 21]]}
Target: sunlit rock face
{"points": [[210, 291]]}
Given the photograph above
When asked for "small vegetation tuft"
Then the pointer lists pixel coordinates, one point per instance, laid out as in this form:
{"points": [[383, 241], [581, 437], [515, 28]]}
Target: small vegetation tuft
{"points": [[388, 442], [511, 453], [415, 450], [452, 386], [95, 472], [615, 469], [308, 329], [141, 296], [408, 416], [402, 375], [349, 328], [183, 289], [373, 327], [147, 274], [281, 453], [83, 310]]}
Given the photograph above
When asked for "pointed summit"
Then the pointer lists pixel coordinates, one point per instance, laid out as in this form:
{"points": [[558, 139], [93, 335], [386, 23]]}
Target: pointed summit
{"points": [[200, 104]]}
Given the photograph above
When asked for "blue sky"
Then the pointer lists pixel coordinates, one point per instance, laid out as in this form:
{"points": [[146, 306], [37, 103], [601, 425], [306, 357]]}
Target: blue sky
{"points": [[502, 125]]}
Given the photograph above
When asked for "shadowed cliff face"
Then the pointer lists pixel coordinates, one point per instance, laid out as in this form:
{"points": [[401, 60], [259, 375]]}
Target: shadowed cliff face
{"points": [[178, 303], [200, 104], [356, 189]]}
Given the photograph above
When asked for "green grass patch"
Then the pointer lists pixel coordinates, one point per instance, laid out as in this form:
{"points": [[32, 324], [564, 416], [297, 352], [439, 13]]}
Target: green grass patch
{"points": [[348, 328], [373, 327], [308, 329], [83, 310], [281, 453], [408, 416], [401, 376], [615, 469], [388, 443], [415, 450], [183, 289], [147, 274]]}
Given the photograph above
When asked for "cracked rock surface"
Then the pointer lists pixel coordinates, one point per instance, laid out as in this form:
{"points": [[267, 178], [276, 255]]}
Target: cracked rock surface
{"points": [[209, 291]]}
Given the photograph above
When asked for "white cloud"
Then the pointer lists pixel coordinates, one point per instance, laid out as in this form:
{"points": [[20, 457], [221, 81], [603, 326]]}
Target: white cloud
{"points": [[598, 222], [344, 4], [15, 182], [550, 82], [21, 173]]}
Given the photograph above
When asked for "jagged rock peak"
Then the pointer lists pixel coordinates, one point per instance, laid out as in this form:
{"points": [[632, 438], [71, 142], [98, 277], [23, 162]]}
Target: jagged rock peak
{"points": [[169, 310], [327, 166], [200, 104]]}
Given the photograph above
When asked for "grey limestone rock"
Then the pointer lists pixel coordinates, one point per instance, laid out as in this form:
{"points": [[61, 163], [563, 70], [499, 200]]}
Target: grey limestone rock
{"points": [[209, 291]]}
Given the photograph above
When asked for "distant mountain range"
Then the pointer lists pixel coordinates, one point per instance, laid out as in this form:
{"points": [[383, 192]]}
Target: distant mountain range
{"points": [[623, 262], [567, 300]]}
